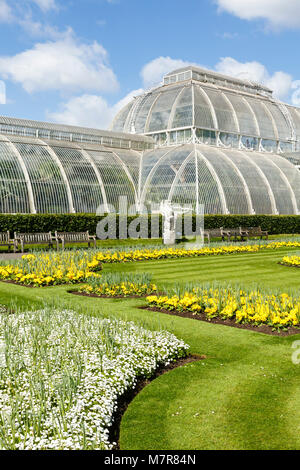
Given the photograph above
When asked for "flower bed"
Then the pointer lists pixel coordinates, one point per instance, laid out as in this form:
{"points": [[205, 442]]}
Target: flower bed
{"points": [[46, 269], [71, 267], [119, 285], [170, 253], [293, 261], [253, 307], [64, 373]]}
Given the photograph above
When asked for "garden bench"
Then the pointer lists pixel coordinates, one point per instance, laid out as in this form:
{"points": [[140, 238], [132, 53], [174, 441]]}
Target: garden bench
{"points": [[216, 233], [5, 240], [34, 239], [238, 232], [75, 237], [255, 232]]}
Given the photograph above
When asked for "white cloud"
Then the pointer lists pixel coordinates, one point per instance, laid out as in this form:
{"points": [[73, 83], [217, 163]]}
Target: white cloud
{"points": [[86, 110], [2, 93], [45, 5], [40, 30], [280, 82], [6, 15], [153, 72], [21, 13], [278, 13], [90, 111], [61, 65]]}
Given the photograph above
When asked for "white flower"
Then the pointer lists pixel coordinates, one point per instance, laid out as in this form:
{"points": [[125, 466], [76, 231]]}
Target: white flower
{"points": [[64, 374]]}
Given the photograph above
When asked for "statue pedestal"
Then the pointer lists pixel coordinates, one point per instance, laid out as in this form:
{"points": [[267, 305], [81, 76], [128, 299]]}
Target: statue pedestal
{"points": [[169, 237]]}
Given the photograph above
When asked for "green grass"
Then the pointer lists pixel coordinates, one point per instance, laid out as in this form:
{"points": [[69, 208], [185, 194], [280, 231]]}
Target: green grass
{"points": [[138, 243], [245, 395], [101, 244]]}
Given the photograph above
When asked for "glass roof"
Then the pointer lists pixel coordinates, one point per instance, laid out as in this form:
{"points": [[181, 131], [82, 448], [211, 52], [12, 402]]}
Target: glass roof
{"points": [[60, 177], [226, 181], [211, 106]]}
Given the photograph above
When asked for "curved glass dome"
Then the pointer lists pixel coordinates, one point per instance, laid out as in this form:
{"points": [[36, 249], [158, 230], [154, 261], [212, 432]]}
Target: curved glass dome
{"points": [[60, 177], [220, 109], [224, 181]]}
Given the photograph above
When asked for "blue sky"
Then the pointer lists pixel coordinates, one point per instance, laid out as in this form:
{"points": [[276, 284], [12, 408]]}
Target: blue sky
{"points": [[78, 61]]}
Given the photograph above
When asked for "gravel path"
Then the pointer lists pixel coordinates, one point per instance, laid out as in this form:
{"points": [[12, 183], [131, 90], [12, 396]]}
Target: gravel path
{"points": [[9, 256]]}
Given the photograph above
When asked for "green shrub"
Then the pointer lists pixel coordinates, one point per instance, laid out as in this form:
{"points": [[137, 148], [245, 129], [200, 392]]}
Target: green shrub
{"points": [[274, 224]]}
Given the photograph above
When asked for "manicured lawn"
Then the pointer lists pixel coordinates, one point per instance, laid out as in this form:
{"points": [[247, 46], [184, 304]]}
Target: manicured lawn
{"points": [[245, 395], [261, 268]]}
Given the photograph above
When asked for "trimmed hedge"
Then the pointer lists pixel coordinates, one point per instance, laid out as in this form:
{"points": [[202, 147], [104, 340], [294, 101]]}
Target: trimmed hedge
{"points": [[274, 224], [33, 223]]}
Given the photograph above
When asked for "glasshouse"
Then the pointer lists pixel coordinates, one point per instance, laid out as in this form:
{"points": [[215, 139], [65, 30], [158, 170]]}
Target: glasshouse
{"points": [[201, 139]]}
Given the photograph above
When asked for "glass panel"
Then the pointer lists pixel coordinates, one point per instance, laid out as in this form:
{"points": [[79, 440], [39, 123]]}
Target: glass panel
{"points": [[114, 177], [278, 184], [245, 117], [119, 123], [256, 184], [206, 137], [143, 113], [269, 145], [292, 174], [160, 139], [49, 189], [84, 185], [13, 188], [232, 184], [208, 189], [283, 128], [150, 158], [158, 188], [185, 188], [250, 142], [295, 114], [162, 109], [184, 110], [286, 146], [132, 161], [264, 120], [180, 137], [231, 140], [203, 115], [173, 137], [224, 112]]}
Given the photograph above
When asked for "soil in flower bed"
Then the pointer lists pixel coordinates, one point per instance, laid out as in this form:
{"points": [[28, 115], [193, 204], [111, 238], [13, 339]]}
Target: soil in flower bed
{"points": [[32, 286], [268, 330], [125, 400], [289, 265]]}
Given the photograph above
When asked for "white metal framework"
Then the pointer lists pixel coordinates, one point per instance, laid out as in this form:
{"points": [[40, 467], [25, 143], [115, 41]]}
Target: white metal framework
{"points": [[199, 139], [214, 109]]}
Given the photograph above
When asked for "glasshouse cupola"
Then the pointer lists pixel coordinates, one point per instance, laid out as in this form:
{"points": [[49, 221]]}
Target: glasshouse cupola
{"points": [[199, 106]]}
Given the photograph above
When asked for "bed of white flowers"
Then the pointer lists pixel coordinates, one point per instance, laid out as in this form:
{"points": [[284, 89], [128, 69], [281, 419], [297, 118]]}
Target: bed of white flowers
{"points": [[61, 374]]}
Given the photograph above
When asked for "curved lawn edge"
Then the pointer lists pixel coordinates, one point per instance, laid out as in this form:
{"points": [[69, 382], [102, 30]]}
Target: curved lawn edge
{"points": [[125, 400]]}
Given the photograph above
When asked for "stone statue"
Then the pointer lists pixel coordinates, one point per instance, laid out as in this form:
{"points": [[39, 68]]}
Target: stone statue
{"points": [[169, 235]]}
